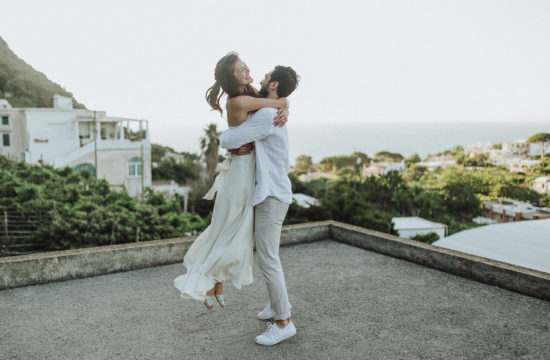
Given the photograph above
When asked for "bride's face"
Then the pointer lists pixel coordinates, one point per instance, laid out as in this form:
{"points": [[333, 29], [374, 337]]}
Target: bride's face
{"points": [[242, 73]]}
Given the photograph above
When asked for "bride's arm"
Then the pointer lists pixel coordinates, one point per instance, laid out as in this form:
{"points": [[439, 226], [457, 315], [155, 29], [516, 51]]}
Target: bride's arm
{"points": [[249, 103]]}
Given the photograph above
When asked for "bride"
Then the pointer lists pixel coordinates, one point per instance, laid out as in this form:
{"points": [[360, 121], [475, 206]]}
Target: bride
{"points": [[224, 250]]}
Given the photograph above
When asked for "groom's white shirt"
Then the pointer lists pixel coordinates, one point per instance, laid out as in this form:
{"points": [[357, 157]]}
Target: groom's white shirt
{"points": [[271, 145]]}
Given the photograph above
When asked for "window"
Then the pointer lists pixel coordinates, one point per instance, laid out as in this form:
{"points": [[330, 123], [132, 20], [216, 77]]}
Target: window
{"points": [[5, 120], [134, 167], [6, 139], [86, 166]]}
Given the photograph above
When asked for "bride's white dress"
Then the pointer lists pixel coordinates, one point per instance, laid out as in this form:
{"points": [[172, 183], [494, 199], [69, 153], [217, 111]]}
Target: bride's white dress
{"points": [[223, 252]]}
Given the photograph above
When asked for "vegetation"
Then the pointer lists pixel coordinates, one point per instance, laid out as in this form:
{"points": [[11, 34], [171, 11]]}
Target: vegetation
{"points": [[335, 163], [542, 139], [304, 164], [186, 172], [23, 86], [372, 202], [428, 238], [71, 209], [388, 156], [210, 145]]}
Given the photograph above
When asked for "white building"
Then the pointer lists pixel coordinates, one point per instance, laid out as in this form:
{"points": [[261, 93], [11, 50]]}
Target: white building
{"points": [[522, 165], [407, 227], [518, 147], [310, 176], [170, 189], [535, 150], [524, 243], [541, 185], [382, 168], [304, 200], [436, 162], [113, 148]]}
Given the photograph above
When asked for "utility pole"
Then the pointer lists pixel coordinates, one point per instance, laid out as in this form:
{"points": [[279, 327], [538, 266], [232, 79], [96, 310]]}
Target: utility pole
{"points": [[95, 146], [142, 172]]}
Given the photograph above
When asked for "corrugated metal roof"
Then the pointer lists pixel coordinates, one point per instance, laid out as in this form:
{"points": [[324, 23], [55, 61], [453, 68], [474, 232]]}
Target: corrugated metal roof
{"points": [[523, 243]]}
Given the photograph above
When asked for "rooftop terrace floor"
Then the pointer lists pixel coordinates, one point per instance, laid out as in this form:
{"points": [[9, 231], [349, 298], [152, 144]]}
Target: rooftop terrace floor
{"points": [[348, 303]]}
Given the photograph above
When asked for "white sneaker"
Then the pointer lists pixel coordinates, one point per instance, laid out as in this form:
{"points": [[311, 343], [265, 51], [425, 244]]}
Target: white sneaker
{"points": [[265, 314], [274, 335]]}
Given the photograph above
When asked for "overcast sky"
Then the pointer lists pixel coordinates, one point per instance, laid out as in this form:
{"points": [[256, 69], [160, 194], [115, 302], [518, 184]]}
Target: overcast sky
{"points": [[360, 61]]}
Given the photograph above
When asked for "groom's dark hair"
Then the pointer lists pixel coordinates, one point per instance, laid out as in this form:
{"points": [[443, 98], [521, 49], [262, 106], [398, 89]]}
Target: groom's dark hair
{"points": [[287, 78]]}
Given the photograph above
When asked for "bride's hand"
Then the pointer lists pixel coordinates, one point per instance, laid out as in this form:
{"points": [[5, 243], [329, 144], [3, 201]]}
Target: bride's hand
{"points": [[243, 150], [282, 117]]}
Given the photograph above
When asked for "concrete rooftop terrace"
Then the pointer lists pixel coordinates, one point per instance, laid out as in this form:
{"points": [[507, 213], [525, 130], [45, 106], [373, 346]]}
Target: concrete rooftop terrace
{"points": [[348, 303]]}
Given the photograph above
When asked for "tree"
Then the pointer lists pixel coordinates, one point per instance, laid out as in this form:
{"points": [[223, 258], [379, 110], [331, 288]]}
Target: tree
{"points": [[335, 163], [460, 200], [210, 144], [413, 159], [388, 156], [542, 139], [428, 238], [304, 163]]}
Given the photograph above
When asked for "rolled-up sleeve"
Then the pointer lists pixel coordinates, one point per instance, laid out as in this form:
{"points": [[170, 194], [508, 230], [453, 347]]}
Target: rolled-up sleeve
{"points": [[257, 127]]}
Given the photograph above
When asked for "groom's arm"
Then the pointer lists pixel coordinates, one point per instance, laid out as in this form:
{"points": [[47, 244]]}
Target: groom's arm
{"points": [[258, 126]]}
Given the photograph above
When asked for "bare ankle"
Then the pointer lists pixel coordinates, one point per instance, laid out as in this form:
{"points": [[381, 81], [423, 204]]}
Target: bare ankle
{"points": [[282, 323]]}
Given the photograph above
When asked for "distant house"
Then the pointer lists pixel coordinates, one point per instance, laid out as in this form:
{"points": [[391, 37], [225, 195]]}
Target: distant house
{"points": [[304, 200], [512, 210], [382, 168], [541, 185], [435, 162], [315, 175], [113, 148], [513, 154], [522, 164], [170, 189], [178, 158], [407, 227], [519, 147]]}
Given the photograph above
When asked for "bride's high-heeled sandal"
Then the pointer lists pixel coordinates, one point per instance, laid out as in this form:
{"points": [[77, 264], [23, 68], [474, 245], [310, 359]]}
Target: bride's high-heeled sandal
{"points": [[219, 297], [209, 302]]}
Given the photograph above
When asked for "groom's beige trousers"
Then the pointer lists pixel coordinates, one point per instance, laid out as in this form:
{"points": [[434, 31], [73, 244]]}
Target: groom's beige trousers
{"points": [[269, 216]]}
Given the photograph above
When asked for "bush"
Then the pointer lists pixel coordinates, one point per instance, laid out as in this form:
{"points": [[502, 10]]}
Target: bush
{"points": [[428, 238]]}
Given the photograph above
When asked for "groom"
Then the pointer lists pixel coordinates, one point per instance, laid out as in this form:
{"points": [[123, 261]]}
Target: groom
{"points": [[272, 196]]}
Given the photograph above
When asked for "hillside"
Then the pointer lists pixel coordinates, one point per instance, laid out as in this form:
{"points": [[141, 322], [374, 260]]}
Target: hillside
{"points": [[24, 86]]}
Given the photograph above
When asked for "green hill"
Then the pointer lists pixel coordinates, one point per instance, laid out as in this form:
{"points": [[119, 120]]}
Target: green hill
{"points": [[23, 86]]}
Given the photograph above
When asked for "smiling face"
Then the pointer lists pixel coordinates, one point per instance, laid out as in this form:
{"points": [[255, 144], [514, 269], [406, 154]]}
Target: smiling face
{"points": [[264, 91], [241, 72]]}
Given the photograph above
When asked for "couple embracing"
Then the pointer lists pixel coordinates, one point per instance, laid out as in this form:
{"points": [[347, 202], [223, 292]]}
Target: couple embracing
{"points": [[253, 193]]}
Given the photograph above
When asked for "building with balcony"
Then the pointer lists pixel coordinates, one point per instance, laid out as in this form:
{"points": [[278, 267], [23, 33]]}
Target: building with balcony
{"points": [[112, 148], [512, 210]]}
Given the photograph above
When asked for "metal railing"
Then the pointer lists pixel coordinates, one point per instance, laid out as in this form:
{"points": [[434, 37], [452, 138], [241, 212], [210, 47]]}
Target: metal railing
{"points": [[16, 233]]}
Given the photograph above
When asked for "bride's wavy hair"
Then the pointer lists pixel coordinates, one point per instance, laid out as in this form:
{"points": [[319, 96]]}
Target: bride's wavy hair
{"points": [[226, 83]]}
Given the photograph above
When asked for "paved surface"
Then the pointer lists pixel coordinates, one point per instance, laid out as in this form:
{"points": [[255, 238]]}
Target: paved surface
{"points": [[348, 303]]}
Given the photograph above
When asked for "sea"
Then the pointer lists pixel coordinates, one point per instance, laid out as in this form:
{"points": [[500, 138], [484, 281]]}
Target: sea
{"points": [[407, 138], [319, 141]]}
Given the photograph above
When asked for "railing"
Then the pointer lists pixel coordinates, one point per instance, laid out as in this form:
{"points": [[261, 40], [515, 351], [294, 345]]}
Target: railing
{"points": [[16, 235]]}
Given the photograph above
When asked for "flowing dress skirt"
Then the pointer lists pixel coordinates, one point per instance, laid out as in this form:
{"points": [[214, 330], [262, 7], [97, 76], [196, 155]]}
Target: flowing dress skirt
{"points": [[223, 252]]}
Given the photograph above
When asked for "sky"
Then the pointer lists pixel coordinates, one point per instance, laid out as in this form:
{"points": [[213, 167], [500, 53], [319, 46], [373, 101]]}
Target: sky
{"points": [[359, 61]]}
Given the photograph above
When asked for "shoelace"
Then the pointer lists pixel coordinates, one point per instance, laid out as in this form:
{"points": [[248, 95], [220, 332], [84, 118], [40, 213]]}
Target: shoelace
{"points": [[268, 331]]}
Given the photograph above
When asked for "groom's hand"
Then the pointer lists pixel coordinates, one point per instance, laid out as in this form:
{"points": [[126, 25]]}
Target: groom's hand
{"points": [[243, 150]]}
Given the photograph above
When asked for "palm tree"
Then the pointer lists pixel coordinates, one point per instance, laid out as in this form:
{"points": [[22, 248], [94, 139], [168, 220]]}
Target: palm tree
{"points": [[210, 144], [542, 139]]}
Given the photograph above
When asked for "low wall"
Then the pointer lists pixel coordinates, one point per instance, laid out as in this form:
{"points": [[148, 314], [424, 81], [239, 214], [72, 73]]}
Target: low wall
{"points": [[52, 266], [516, 278], [42, 268]]}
